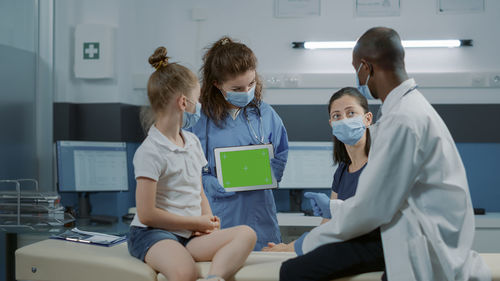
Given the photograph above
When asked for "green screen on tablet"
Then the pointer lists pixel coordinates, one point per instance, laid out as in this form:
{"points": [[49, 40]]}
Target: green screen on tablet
{"points": [[245, 167]]}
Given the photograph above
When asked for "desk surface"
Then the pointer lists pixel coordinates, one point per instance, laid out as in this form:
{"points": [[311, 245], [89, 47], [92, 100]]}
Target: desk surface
{"points": [[117, 228], [297, 219], [488, 220]]}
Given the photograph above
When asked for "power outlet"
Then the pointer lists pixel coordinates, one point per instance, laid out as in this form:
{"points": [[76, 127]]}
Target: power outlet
{"points": [[495, 80], [479, 80], [273, 81], [291, 81]]}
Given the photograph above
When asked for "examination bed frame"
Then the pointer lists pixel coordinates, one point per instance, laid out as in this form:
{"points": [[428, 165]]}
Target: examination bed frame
{"points": [[58, 260]]}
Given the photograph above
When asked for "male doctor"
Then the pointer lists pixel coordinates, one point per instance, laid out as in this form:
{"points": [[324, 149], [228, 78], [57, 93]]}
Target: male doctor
{"points": [[414, 188]]}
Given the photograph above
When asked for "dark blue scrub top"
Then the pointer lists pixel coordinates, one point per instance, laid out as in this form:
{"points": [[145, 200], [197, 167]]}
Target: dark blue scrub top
{"points": [[345, 183]]}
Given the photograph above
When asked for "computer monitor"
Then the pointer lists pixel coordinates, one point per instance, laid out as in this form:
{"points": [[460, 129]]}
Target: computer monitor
{"points": [[84, 166], [90, 167], [309, 165]]}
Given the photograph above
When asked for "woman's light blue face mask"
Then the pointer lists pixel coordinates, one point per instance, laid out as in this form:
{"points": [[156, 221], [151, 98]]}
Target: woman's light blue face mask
{"points": [[349, 130], [190, 119], [240, 99]]}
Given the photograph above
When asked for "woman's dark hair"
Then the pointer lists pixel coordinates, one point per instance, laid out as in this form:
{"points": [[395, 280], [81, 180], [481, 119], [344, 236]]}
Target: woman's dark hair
{"points": [[225, 60], [339, 151]]}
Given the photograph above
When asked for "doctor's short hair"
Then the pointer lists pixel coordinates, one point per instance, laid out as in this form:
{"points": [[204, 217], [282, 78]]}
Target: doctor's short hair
{"points": [[339, 151], [224, 60], [381, 46], [169, 80]]}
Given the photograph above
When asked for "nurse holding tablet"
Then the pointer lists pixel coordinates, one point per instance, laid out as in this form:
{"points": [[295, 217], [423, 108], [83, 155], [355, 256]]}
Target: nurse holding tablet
{"points": [[233, 114]]}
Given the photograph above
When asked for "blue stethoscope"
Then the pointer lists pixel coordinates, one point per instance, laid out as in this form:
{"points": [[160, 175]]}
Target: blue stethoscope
{"points": [[206, 169], [411, 89], [261, 127], [379, 112]]}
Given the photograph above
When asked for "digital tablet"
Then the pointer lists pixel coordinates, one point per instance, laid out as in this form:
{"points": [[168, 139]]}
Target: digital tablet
{"points": [[242, 168]]}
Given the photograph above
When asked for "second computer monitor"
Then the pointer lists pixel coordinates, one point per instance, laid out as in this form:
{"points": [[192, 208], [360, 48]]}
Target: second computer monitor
{"points": [[84, 166], [309, 165]]}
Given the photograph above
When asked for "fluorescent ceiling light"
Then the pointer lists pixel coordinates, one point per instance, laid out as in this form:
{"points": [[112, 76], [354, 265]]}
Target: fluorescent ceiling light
{"points": [[431, 43], [406, 43], [330, 45]]}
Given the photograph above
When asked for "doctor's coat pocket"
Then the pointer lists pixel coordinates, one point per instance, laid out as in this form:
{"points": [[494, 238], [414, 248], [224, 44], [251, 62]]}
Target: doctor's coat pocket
{"points": [[418, 249]]}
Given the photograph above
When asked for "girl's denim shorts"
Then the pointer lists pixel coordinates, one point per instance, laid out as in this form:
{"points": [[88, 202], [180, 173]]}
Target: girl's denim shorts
{"points": [[140, 239]]}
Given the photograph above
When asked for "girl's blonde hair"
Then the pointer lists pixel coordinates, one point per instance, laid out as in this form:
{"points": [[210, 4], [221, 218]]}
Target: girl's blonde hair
{"points": [[168, 81]]}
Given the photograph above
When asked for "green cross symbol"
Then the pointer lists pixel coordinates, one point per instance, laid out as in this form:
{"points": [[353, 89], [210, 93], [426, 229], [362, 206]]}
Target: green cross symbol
{"points": [[91, 50]]}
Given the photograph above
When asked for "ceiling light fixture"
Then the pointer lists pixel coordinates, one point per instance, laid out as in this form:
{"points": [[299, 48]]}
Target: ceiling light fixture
{"points": [[406, 43]]}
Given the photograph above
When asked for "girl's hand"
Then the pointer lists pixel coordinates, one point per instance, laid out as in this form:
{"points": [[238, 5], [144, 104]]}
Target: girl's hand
{"points": [[281, 247], [206, 224], [216, 220]]}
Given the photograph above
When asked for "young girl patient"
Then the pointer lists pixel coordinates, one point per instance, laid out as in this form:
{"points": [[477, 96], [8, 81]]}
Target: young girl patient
{"points": [[174, 226]]}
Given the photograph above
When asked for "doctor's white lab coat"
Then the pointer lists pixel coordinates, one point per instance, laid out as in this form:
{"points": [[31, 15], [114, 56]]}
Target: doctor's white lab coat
{"points": [[415, 189]]}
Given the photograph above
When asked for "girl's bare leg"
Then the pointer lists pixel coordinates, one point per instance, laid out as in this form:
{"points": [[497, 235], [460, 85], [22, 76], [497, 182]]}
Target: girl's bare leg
{"points": [[228, 249], [171, 259]]}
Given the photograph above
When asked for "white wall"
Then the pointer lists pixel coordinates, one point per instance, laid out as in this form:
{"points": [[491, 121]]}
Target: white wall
{"points": [[144, 25]]}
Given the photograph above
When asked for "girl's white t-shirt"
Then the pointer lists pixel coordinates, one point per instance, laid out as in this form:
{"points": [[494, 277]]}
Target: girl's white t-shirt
{"points": [[177, 171]]}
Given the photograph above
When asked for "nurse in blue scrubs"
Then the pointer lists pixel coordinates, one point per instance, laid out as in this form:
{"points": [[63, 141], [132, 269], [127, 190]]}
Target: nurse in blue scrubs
{"points": [[233, 114]]}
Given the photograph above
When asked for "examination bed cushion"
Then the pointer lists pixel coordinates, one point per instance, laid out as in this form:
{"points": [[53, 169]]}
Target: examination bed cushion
{"points": [[58, 260]]}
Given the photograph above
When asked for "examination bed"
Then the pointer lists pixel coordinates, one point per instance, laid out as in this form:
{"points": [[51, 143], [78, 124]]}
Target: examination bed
{"points": [[58, 260]]}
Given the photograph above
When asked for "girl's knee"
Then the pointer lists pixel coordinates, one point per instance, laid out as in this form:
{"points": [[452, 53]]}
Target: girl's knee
{"points": [[247, 232]]}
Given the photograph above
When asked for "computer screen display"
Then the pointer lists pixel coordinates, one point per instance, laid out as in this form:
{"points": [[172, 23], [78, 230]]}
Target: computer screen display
{"points": [[84, 166], [309, 165]]}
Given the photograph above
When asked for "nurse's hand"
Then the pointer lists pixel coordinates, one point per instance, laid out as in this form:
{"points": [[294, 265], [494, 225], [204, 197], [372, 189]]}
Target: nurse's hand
{"points": [[281, 247], [278, 166], [320, 203], [213, 188]]}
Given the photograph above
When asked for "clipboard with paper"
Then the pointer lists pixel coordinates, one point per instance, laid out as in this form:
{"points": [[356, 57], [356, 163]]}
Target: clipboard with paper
{"points": [[87, 237]]}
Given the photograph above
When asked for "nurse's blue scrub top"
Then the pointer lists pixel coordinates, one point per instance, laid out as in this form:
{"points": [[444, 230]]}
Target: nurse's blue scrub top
{"points": [[345, 183], [256, 209]]}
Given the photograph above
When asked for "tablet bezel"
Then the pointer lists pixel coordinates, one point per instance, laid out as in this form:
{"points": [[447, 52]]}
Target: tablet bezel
{"points": [[217, 152]]}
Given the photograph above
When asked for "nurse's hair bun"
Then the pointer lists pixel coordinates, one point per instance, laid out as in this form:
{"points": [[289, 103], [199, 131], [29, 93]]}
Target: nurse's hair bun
{"points": [[159, 58]]}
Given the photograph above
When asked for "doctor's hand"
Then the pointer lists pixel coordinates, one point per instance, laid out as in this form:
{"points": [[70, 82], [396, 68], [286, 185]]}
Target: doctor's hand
{"points": [[320, 203], [278, 166], [281, 247], [213, 188]]}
